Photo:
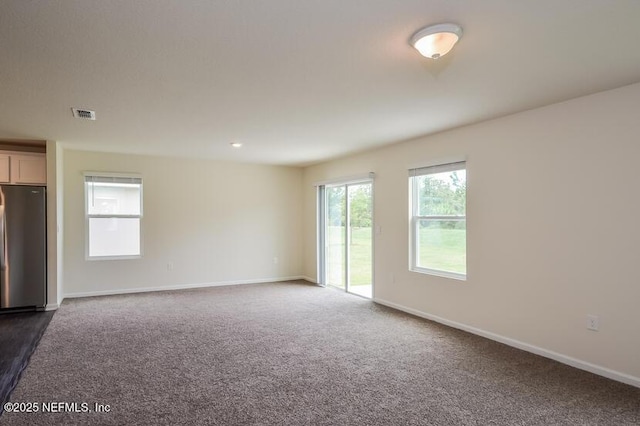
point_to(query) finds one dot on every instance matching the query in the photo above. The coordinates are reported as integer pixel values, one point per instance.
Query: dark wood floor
(19, 336)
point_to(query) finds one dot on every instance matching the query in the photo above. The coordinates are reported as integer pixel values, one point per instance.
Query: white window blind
(440, 168)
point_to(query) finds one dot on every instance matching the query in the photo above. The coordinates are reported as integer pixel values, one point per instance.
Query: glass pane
(360, 236)
(442, 245)
(113, 198)
(114, 237)
(442, 194)
(335, 235)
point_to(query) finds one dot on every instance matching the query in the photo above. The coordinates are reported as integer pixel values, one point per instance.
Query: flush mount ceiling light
(235, 144)
(436, 40)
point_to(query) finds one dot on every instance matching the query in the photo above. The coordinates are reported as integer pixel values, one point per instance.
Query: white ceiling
(297, 81)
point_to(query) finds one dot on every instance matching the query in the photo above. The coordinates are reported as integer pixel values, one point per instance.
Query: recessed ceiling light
(236, 144)
(436, 41)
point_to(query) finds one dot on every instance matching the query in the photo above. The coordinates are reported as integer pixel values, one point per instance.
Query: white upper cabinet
(23, 168)
(5, 175)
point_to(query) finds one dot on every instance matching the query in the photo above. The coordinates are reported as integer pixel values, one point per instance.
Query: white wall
(215, 222)
(553, 230)
(54, 224)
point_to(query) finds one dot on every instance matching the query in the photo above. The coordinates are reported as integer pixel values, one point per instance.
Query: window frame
(88, 216)
(415, 217)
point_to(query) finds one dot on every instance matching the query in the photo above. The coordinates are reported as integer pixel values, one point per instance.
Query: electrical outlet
(593, 322)
(170, 266)
(275, 260)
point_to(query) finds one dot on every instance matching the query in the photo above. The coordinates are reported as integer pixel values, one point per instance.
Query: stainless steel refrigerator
(23, 252)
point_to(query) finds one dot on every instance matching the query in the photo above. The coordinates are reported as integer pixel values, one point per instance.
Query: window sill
(137, 256)
(437, 273)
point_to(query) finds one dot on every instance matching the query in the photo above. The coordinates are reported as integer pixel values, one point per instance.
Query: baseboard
(574, 362)
(51, 307)
(111, 292)
(311, 280)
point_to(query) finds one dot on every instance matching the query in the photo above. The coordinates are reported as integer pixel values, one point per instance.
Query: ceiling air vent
(85, 114)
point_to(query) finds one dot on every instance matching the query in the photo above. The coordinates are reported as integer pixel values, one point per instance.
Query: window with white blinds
(113, 211)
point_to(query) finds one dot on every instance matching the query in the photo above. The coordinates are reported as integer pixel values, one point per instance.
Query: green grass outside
(441, 249)
(360, 252)
(361, 257)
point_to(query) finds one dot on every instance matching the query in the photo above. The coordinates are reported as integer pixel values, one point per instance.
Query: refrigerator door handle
(4, 279)
(3, 234)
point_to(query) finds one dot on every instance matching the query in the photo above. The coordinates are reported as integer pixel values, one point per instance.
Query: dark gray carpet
(295, 354)
(19, 336)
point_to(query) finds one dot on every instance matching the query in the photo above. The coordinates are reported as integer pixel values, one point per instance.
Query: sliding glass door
(346, 237)
(336, 237)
